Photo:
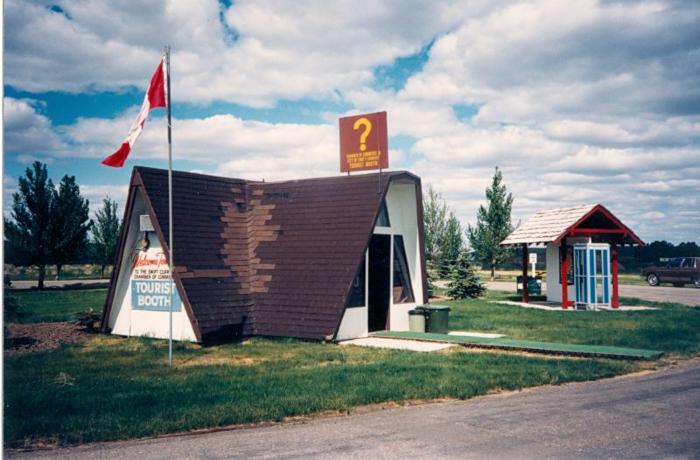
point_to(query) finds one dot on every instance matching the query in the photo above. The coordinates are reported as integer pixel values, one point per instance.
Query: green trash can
(534, 285)
(436, 318)
(416, 320)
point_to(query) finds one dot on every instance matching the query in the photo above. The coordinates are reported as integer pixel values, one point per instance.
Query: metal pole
(170, 207)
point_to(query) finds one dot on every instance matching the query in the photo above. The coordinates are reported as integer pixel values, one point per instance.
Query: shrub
(89, 319)
(464, 281)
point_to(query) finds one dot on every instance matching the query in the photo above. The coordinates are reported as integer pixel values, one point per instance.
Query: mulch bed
(28, 338)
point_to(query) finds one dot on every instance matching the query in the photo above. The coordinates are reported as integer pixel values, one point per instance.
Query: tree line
(444, 241)
(51, 226)
(451, 250)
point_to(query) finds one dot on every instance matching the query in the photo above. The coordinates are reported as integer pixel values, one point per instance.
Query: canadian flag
(155, 97)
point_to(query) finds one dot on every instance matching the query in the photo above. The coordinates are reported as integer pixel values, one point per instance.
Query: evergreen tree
(451, 245)
(493, 225)
(106, 234)
(70, 223)
(464, 281)
(28, 236)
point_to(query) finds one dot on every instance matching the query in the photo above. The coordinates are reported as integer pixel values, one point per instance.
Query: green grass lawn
(56, 305)
(674, 328)
(116, 388)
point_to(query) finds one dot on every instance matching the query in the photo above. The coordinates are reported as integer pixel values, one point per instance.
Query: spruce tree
(106, 233)
(70, 222)
(464, 281)
(493, 225)
(29, 236)
(451, 245)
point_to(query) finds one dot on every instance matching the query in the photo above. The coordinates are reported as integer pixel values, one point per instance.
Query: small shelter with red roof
(582, 245)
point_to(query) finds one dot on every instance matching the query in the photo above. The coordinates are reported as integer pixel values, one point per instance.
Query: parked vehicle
(679, 271)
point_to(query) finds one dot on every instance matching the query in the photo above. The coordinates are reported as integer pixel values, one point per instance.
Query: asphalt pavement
(650, 415)
(32, 284)
(684, 295)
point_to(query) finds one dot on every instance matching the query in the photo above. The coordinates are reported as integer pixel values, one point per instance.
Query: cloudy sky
(577, 102)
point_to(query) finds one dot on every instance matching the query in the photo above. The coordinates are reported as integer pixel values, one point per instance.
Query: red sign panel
(363, 142)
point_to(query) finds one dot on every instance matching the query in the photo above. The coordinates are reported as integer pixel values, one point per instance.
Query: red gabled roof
(553, 225)
(609, 225)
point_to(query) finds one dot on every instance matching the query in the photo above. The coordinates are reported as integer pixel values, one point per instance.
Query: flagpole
(170, 206)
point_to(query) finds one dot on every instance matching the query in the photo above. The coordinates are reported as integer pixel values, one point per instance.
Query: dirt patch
(207, 360)
(28, 338)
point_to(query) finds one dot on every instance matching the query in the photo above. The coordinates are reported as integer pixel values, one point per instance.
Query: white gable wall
(123, 318)
(402, 207)
(403, 216)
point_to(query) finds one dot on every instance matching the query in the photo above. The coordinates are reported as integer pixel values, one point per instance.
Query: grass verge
(115, 388)
(55, 305)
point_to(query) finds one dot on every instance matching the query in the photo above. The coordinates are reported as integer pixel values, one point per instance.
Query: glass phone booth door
(592, 275)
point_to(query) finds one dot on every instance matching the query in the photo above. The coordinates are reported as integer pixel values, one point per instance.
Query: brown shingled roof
(266, 258)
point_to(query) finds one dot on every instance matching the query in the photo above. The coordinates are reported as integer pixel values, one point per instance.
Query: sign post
(364, 143)
(533, 261)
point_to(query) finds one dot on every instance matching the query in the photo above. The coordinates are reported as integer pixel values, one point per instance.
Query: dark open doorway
(379, 282)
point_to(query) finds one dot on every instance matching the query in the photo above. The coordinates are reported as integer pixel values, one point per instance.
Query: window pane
(402, 278)
(383, 218)
(675, 262)
(357, 292)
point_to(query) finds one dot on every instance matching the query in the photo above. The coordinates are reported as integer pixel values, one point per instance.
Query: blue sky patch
(395, 75)
(465, 112)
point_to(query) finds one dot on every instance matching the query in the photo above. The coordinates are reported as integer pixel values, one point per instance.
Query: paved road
(686, 295)
(652, 415)
(29, 284)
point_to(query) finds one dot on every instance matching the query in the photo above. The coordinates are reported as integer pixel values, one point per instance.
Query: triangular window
(383, 219)
(357, 290)
(402, 278)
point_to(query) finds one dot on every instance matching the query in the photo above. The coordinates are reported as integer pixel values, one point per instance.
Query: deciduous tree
(443, 233)
(105, 233)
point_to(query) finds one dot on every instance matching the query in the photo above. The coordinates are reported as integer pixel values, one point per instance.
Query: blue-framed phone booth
(592, 275)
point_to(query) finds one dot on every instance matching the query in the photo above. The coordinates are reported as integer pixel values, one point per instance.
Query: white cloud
(282, 50)
(587, 102)
(26, 131)
(96, 193)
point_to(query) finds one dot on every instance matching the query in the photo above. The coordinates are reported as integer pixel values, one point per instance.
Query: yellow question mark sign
(368, 128)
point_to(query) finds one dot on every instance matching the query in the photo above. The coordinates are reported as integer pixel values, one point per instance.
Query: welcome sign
(151, 285)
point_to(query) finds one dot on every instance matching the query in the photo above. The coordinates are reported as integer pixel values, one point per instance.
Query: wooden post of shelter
(615, 295)
(525, 262)
(563, 276)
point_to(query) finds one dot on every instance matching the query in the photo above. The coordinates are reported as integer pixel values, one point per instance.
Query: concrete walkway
(396, 344)
(556, 306)
(684, 295)
(652, 415)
